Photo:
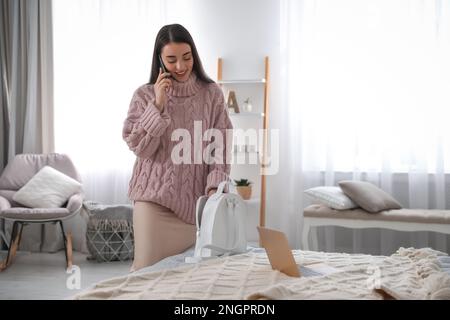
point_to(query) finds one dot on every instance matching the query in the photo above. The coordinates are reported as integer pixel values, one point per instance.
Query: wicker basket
(110, 240)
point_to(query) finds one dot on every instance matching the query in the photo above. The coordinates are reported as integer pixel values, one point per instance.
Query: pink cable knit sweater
(148, 132)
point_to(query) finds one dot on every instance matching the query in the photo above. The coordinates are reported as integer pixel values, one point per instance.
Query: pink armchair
(15, 175)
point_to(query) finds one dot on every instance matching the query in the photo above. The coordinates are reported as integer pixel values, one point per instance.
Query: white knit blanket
(407, 274)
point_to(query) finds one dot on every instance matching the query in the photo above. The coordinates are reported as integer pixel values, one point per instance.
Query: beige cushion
(402, 215)
(368, 196)
(30, 214)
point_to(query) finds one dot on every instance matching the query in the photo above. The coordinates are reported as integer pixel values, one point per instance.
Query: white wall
(241, 32)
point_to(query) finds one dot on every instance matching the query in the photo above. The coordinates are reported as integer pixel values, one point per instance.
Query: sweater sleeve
(218, 172)
(144, 125)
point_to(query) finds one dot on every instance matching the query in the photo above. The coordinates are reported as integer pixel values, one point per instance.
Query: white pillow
(49, 188)
(332, 197)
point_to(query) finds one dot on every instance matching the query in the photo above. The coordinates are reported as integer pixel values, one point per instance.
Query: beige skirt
(158, 233)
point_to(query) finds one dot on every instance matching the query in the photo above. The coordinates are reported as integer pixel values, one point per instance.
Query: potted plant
(244, 188)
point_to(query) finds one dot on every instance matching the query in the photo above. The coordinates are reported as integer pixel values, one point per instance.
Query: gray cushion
(368, 196)
(34, 213)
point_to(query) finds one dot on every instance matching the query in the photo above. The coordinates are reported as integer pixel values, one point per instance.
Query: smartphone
(163, 67)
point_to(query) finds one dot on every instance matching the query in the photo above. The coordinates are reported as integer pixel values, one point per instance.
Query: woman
(164, 191)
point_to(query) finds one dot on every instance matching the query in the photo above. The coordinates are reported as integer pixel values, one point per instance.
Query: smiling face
(178, 59)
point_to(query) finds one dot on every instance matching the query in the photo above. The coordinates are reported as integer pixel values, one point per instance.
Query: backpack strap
(231, 204)
(221, 187)
(199, 210)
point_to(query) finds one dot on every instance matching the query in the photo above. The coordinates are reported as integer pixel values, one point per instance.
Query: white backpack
(220, 221)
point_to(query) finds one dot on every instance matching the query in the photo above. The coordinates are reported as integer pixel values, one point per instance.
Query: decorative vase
(244, 191)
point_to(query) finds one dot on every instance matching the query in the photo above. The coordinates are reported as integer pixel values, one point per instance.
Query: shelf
(264, 116)
(249, 81)
(247, 114)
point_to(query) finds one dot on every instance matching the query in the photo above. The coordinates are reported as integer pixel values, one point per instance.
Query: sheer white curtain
(103, 51)
(366, 85)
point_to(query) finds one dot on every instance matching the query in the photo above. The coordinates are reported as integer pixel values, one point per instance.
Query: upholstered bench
(399, 219)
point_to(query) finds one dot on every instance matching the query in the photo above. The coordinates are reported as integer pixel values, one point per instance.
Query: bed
(407, 274)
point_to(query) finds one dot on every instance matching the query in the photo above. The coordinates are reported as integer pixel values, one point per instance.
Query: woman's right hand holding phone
(162, 85)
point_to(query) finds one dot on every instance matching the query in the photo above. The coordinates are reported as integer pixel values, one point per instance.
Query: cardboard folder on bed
(281, 258)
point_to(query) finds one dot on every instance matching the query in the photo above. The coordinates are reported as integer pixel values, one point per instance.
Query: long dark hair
(176, 33)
